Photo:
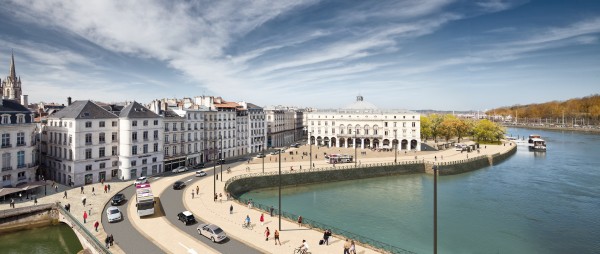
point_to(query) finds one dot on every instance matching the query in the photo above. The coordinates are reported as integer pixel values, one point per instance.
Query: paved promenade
(292, 234)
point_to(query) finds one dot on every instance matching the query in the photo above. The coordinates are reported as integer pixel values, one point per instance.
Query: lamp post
(310, 145)
(220, 154)
(355, 157)
(279, 189)
(214, 170)
(263, 159)
(435, 169)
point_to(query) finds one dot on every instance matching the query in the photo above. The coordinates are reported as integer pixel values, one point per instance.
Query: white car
(212, 232)
(180, 169)
(141, 180)
(113, 214)
(200, 173)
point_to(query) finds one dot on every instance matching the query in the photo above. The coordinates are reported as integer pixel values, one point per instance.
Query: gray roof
(12, 106)
(136, 110)
(253, 106)
(83, 110)
(171, 114)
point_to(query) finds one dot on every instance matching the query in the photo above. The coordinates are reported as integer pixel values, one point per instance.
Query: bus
(339, 158)
(144, 199)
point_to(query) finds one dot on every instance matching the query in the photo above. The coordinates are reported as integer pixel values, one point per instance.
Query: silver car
(113, 214)
(212, 232)
(180, 169)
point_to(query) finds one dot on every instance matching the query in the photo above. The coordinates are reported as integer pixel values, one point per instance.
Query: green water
(58, 239)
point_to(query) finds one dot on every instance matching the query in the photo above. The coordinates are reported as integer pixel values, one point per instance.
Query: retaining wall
(27, 218)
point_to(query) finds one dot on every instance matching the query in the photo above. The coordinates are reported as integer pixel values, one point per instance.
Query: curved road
(131, 241)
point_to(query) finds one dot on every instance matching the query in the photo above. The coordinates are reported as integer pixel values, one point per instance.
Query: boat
(536, 143)
(517, 140)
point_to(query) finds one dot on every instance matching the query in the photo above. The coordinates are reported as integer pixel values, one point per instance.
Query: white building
(140, 144)
(257, 128)
(284, 125)
(363, 125)
(19, 152)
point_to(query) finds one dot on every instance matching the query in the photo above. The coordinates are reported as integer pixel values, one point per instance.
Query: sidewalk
(94, 203)
(292, 234)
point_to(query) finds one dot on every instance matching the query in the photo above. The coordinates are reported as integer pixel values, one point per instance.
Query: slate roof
(253, 106)
(13, 106)
(83, 110)
(170, 114)
(136, 110)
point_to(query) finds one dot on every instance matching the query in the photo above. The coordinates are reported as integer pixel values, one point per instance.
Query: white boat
(536, 143)
(517, 141)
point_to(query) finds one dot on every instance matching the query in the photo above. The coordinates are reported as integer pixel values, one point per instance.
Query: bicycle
(247, 226)
(301, 251)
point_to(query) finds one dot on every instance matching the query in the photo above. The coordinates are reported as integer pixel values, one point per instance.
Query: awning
(7, 191)
(32, 185)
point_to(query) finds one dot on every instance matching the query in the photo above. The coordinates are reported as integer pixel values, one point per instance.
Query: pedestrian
(112, 239)
(96, 224)
(35, 200)
(277, 237)
(109, 187)
(65, 196)
(267, 233)
(56, 188)
(231, 209)
(352, 247)
(197, 189)
(262, 219)
(105, 188)
(215, 197)
(251, 204)
(81, 190)
(326, 236)
(221, 197)
(217, 176)
(84, 216)
(90, 211)
(435, 158)
(12, 203)
(69, 207)
(271, 211)
(107, 241)
(83, 201)
(300, 221)
(20, 196)
(347, 247)
(93, 192)
(192, 194)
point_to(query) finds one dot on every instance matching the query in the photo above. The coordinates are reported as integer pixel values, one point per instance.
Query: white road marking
(189, 250)
(189, 180)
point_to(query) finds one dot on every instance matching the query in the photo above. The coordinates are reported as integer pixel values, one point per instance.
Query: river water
(59, 239)
(531, 203)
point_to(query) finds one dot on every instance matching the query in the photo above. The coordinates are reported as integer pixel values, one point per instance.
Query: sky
(404, 54)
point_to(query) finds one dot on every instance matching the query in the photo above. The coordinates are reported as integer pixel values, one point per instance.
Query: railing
(6, 145)
(6, 169)
(347, 234)
(21, 144)
(76, 225)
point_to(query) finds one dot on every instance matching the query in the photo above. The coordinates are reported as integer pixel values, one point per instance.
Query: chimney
(157, 107)
(24, 101)
(68, 101)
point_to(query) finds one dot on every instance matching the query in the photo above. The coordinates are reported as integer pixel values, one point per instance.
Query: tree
(463, 128)
(436, 120)
(426, 131)
(447, 128)
(486, 130)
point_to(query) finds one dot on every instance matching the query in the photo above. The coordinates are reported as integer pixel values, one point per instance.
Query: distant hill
(586, 109)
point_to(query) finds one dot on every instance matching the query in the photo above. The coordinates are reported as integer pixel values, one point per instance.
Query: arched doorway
(395, 144)
(342, 142)
(413, 144)
(357, 142)
(312, 140)
(375, 143)
(333, 142)
(326, 141)
(404, 144)
(386, 143)
(367, 143)
(349, 142)
(319, 141)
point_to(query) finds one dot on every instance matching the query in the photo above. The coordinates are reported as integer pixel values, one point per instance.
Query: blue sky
(414, 54)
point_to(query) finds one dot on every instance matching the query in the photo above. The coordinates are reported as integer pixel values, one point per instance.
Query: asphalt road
(172, 202)
(128, 238)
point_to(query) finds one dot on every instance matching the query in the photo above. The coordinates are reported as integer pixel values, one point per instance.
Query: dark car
(198, 166)
(118, 199)
(178, 185)
(186, 217)
(221, 161)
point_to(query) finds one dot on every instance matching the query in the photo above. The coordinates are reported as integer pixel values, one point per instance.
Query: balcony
(146, 139)
(166, 129)
(6, 145)
(21, 144)
(88, 143)
(6, 169)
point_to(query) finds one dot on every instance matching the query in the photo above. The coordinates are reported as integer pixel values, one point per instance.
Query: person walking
(300, 221)
(231, 209)
(65, 196)
(352, 247)
(197, 189)
(262, 219)
(96, 224)
(12, 203)
(107, 241)
(35, 200)
(277, 237)
(93, 192)
(192, 194)
(271, 211)
(326, 236)
(83, 201)
(109, 187)
(81, 190)
(84, 216)
(347, 247)
(69, 207)
(105, 188)
(56, 188)
(112, 239)
(267, 233)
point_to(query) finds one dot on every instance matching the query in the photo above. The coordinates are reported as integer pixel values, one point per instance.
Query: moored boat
(536, 143)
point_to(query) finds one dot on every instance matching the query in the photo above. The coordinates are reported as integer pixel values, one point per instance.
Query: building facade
(282, 126)
(19, 148)
(257, 128)
(363, 125)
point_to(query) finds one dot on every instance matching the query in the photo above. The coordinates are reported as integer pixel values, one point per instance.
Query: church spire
(13, 74)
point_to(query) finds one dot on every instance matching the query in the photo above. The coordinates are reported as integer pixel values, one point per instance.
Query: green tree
(426, 131)
(463, 127)
(436, 121)
(486, 130)
(447, 127)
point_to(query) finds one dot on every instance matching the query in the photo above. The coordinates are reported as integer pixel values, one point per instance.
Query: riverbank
(594, 130)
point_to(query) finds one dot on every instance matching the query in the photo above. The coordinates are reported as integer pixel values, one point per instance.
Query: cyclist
(304, 247)
(247, 220)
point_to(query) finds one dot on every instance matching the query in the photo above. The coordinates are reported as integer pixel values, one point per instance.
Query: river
(59, 239)
(531, 203)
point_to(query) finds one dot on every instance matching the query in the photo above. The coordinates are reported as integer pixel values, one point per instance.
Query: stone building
(363, 125)
(284, 125)
(257, 128)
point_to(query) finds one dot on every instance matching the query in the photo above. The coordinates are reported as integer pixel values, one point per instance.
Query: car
(118, 199)
(275, 152)
(221, 161)
(212, 232)
(180, 169)
(113, 214)
(198, 166)
(186, 217)
(200, 173)
(260, 155)
(141, 180)
(295, 145)
(178, 185)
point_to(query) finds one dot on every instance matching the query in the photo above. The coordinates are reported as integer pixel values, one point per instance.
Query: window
(102, 165)
(166, 151)
(144, 161)
(133, 150)
(145, 148)
(21, 139)
(404, 124)
(6, 161)
(155, 135)
(156, 147)
(6, 119)
(88, 124)
(154, 159)
(115, 163)
(155, 122)
(114, 150)
(145, 136)
(414, 124)
(385, 124)
(114, 123)
(133, 163)
(101, 124)
(20, 159)
(88, 153)
(174, 150)
(101, 137)
(145, 123)
(88, 138)
(88, 167)
(134, 123)
(101, 152)
(166, 138)
(134, 136)
(20, 119)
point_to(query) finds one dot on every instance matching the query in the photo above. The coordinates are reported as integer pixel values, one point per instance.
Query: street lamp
(355, 157)
(220, 154)
(263, 159)
(279, 189)
(435, 172)
(310, 145)
(214, 170)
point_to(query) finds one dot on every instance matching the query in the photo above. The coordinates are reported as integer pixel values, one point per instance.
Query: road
(128, 238)
(173, 204)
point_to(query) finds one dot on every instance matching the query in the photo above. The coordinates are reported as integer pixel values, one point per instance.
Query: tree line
(578, 108)
(448, 126)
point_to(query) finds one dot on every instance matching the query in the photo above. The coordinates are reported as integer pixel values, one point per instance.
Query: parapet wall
(27, 218)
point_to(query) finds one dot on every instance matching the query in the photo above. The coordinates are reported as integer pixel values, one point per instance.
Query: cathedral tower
(11, 85)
